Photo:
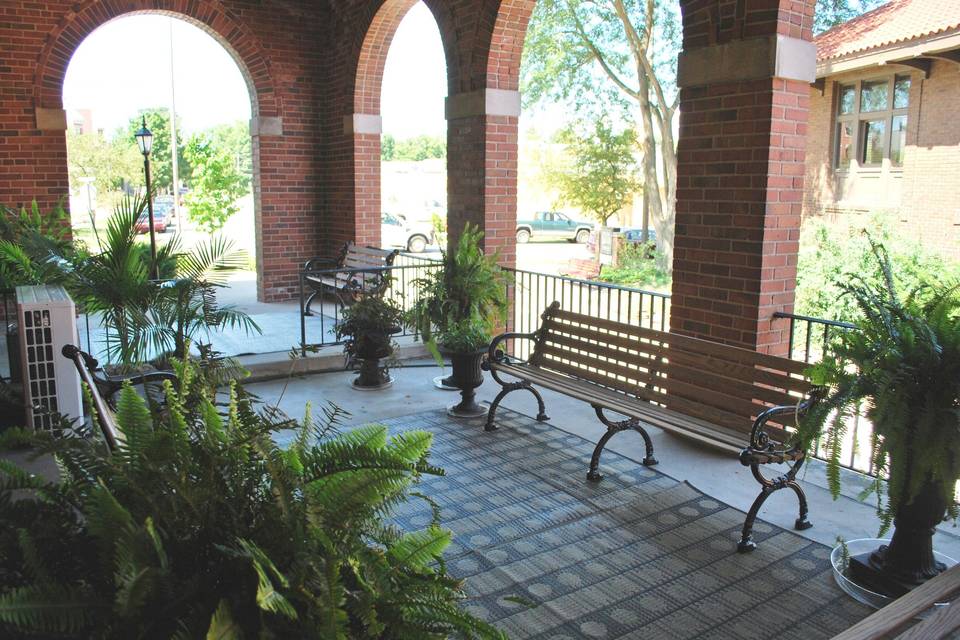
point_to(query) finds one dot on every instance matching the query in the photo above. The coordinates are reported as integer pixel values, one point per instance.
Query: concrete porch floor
(713, 472)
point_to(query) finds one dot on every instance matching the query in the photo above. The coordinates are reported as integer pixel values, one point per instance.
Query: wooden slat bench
(357, 271)
(738, 400)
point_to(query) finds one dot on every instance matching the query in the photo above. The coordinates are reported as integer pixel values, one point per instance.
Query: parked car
(161, 217)
(553, 225)
(636, 235)
(395, 231)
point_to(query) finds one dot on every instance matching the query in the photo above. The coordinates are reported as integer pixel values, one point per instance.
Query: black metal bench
(355, 272)
(103, 388)
(738, 400)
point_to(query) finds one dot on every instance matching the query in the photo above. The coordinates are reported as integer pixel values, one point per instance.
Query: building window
(871, 122)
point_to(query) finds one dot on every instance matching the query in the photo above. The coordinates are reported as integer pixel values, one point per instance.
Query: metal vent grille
(40, 368)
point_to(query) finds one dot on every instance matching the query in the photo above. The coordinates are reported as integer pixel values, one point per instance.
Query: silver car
(395, 231)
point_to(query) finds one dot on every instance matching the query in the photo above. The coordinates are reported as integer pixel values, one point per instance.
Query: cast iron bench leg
(614, 428)
(769, 487)
(509, 387)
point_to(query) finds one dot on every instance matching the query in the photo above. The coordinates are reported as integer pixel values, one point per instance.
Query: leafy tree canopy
(234, 140)
(602, 178)
(110, 163)
(423, 147)
(830, 13)
(161, 163)
(216, 181)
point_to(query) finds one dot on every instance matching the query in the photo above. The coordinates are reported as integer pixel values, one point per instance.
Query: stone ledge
(51, 119)
(362, 123)
(266, 126)
(752, 59)
(485, 102)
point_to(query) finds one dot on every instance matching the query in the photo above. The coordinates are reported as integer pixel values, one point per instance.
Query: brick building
(884, 133)
(315, 68)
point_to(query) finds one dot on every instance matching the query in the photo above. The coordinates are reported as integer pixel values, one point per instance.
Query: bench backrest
(724, 385)
(358, 257)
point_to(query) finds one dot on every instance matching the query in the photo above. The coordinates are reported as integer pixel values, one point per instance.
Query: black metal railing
(319, 328)
(531, 293)
(809, 337)
(810, 341)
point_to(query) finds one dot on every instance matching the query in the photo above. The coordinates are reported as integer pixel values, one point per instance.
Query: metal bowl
(862, 594)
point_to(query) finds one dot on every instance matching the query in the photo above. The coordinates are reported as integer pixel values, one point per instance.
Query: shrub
(830, 255)
(199, 525)
(637, 268)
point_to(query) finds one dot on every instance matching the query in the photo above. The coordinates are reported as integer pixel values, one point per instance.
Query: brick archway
(364, 124)
(234, 36)
(743, 75)
(483, 111)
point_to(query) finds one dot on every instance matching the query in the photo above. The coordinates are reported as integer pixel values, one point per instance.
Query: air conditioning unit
(47, 320)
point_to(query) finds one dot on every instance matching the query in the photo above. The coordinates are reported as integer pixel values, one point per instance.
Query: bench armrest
(496, 355)
(760, 442)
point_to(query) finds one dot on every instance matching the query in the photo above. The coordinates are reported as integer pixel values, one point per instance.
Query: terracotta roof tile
(896, 21)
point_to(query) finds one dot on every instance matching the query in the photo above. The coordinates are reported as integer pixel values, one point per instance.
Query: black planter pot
(467, 376)
(908, 560)
(371, 375)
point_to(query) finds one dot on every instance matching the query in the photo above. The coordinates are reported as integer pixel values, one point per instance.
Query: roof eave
(890, 54)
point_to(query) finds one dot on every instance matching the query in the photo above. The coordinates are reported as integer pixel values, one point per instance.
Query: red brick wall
(739, 185)
(313, 65)
(276, 47)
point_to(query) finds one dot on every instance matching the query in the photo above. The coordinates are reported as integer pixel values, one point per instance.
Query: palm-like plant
(116, 284)
(200, 525)
(903, 362)
(145, 318)
(186, 305)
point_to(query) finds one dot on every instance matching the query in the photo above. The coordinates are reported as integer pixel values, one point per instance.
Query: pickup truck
(553, 225)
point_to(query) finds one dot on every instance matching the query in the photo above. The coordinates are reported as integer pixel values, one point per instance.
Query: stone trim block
(485, 102)
(753, 59)
(266, 126)
(51, 119)
(362, 123)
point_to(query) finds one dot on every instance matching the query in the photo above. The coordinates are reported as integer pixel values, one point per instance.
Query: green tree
(617, 57)
(388, 148)
(830, 13)
(161, 162)
(234, 140)
(603, 177)
(216, 182)
(422, 147)
(109, 162)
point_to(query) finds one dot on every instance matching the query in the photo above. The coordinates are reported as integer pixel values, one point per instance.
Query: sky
(125, 66)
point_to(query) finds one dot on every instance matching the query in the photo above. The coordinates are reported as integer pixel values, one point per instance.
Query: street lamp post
(145, 142)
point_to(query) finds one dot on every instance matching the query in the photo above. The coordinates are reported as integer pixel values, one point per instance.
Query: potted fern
(200, 525)
(903, 362)
(368, 326)
(457, 307)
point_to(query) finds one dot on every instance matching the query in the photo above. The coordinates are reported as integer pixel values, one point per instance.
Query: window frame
(859, 118)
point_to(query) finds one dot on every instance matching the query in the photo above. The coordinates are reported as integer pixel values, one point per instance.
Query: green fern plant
(468, 290)
(903, 364)
(200, 525)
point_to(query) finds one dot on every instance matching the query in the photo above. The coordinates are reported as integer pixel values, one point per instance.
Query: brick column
(743, 106)
(482, 129)
(366, 130)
